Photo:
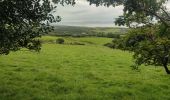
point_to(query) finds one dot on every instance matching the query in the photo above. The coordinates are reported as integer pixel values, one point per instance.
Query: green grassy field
(79, 72)
(97, 41)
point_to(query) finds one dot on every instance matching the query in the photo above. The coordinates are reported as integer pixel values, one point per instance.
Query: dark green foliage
(138, 11)
(110, 45)
(60, 41)
(117, 43)
(63, 2)
(144, 11)
(106, 2)
(111, 35)
(22, 21)
(100, 34)
(148, 48)
(149, 41)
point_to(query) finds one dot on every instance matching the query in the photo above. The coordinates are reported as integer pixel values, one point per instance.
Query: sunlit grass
(79, 72)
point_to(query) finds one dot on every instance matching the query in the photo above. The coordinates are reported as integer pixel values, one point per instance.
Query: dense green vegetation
(82, 68)
(79, 72)
(77, 31)
(21, 22)
(149, 40)
(148, 47)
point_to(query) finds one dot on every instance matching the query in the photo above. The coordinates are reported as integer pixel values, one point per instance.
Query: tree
(150, 35)
(138, 11)
(151, 42)
(60, 41)
(22, 21)
(148, 49)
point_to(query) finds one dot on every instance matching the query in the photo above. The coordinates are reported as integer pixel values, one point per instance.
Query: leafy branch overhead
(139, 11)
(22, 21)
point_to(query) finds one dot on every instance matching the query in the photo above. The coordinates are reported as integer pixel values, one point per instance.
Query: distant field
(79, 72)
(86, 40)
(86, 31)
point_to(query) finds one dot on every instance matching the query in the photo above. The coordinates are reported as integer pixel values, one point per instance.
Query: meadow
(79, 72)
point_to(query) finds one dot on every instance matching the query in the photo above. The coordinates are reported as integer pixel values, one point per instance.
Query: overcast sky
(82, 14)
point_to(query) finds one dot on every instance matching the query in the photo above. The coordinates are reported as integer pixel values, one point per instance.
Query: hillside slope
(79, 72)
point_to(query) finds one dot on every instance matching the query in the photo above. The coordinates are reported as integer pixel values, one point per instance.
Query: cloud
(168, 5)
(82, 14)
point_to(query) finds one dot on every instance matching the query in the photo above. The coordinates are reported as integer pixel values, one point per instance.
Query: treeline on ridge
(75, 31)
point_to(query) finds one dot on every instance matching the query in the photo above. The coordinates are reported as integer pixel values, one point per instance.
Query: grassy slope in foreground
(72, 72)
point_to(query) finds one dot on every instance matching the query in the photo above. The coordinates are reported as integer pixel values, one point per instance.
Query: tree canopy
(149, 38)
(139, 11)
(22, 21)
(149, 48)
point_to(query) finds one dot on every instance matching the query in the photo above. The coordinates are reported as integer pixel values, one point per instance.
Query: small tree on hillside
(148, 49)
(60, 41)
(151, 44)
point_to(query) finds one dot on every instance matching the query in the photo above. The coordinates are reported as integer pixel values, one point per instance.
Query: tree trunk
(166, 69)
(165, 61)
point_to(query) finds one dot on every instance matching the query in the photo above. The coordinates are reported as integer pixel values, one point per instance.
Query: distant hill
(87, 31)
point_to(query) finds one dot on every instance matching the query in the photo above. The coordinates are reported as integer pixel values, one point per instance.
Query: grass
(76, 72)
(85, 40)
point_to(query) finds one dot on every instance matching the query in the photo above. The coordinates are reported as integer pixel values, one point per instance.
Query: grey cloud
(82, 14)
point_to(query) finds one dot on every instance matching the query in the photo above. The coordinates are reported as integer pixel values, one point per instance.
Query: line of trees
(88, 34)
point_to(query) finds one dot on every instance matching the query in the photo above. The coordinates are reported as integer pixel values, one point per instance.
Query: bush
(112, 35)
(60, 41)
(117, 44)
(100, 34)
(110, 45)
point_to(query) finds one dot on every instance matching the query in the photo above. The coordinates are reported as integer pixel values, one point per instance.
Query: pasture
(79, 72)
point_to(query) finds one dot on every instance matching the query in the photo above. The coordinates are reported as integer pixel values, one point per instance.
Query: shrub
(112, 35)
(110, 45)
(60, 41)
(117, 44)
